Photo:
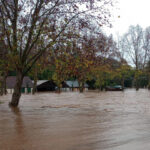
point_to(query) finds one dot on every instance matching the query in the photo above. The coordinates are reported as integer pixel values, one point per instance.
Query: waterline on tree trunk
(17, 90)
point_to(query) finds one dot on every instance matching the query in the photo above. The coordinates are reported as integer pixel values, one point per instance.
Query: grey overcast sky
(131, 12)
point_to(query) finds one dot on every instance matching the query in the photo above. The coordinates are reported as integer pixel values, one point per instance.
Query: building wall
(85, 89)
(24, 90)
(65, 89)
(74, 89)
(10, 91)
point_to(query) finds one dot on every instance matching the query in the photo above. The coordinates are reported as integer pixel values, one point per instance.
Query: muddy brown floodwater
(73, 121)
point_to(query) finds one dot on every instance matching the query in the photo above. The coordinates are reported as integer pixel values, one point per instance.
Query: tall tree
(135, 48)
(39, 23)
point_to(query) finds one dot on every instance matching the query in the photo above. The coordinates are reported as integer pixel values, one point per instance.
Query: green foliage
(47, 74)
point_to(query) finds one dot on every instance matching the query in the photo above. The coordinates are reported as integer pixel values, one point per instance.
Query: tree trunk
(81, 87)
(123, 83)
(4, 85)
(1, 89)
(35, 82)
(58, 90)
(34, 87)
(100, 88)
(17, 90)
(1, 85)
(149, 81)
(136, 78)
(137, 85)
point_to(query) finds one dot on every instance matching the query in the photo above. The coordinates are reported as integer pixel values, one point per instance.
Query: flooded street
(74, 121)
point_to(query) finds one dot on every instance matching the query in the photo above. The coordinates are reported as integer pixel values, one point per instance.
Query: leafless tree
(135, 46)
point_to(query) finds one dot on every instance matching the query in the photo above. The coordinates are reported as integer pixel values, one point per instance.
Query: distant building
(45, 85)
(27, 84)
(72, 86)
(49, 85)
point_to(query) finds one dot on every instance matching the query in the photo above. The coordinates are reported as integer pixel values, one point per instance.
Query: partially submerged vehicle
(114, 88)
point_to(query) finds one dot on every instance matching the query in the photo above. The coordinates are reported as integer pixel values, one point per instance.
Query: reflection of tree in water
(20, 136)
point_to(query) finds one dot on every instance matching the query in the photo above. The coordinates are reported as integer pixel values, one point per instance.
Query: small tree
(123, 72)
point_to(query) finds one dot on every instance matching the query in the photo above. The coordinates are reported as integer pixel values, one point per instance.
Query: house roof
(75, 84)
(11, 81)
(39, 82)
(46, 85)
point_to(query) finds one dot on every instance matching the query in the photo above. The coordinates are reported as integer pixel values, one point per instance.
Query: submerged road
(74, 121)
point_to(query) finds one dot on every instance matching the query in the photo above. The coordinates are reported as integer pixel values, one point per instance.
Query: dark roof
(46, 85)
(11, 81)
(65, 85)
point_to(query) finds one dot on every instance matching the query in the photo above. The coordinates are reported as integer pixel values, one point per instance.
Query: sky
(130, 12)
